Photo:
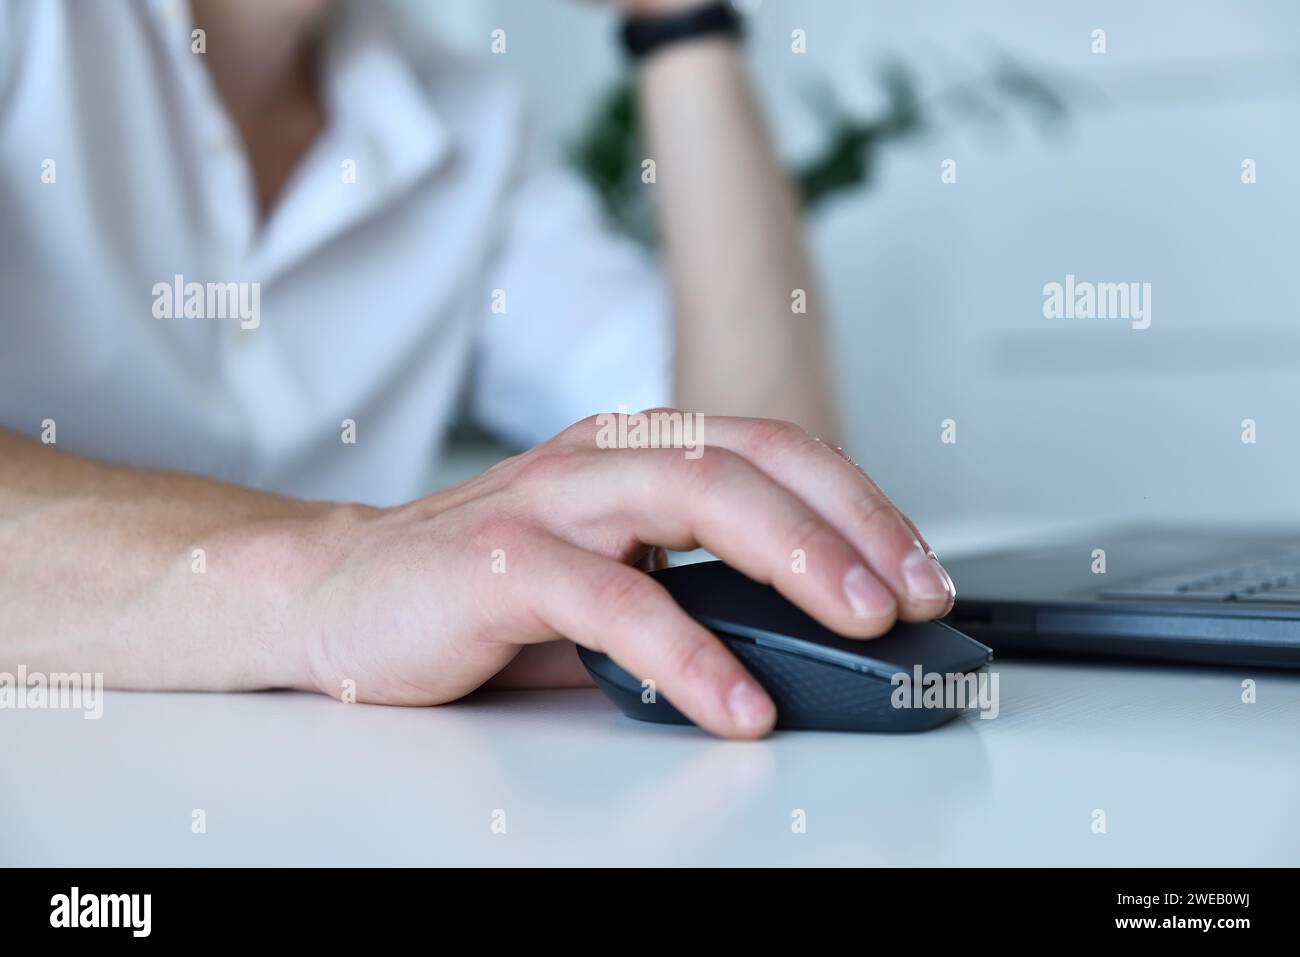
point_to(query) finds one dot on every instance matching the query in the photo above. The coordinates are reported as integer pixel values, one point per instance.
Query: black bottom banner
(306, 906)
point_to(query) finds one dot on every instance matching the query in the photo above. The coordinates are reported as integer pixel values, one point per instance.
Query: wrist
(651, 28)
(283, 571)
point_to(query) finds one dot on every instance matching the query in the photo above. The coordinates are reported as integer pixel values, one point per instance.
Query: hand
(422, 603)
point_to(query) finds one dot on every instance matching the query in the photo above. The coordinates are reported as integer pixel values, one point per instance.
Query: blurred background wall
(935, 290)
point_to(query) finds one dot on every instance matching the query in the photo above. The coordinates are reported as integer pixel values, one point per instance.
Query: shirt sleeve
(575, 318)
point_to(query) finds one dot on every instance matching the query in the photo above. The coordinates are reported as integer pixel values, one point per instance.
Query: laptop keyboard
(1275, 582)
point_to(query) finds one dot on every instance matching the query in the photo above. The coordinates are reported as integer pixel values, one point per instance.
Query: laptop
(1163, 594)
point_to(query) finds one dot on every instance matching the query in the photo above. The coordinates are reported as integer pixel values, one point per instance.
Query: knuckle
(776, 437)
(809, 532)
(706, 474)
(691, 661)
(623, 594)
(871, 513)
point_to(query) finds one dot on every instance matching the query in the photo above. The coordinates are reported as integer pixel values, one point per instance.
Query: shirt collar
(381, 122)
(379, 116)
(373, 95)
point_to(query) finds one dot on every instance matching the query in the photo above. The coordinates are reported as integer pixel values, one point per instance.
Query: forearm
(733, 243)
(158, 580)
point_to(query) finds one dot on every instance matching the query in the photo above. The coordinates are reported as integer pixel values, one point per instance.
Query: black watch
(644, 35)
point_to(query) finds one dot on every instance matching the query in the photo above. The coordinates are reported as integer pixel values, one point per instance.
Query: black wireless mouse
(818, 680)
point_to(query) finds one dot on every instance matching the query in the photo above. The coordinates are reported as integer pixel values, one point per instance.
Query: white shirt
(120, 171)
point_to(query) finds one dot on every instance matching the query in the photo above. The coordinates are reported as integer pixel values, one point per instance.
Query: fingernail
(925, 577)
(750, 707)
(866, 596)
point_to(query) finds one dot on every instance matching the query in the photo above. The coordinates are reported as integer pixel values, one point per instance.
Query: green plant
(609, 154)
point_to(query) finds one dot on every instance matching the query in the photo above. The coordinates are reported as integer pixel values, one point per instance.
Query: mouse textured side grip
(818, 680)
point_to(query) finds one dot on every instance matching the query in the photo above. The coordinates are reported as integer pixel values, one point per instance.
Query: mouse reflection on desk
(818, 680)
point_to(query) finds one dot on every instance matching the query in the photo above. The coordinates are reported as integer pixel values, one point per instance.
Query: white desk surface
(1185, 772)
